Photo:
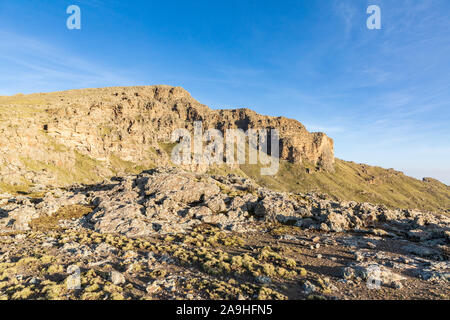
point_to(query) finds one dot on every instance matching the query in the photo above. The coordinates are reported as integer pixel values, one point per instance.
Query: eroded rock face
(113, 125)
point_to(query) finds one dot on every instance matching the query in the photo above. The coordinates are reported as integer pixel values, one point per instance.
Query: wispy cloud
(30, 59)
(346, 11)
(329, 130)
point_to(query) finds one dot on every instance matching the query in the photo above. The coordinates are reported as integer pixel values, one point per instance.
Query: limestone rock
(117, 278)
(86, 135)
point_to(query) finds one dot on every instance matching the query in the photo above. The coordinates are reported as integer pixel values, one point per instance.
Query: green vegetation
(21, 188)
(224, 170)
(22, 99)
(105, 131)
(21, 106)
(350, 181)
(128, 167)
(56, 146)
(46, 223)
(84, 170)
(357, 182)
(213, 251)
(223, 267)
(85, 167)
(167, 147)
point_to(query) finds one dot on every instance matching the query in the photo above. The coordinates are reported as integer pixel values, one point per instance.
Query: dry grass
(167, 147)
(357, 182)
(122, 166)
(46, 223)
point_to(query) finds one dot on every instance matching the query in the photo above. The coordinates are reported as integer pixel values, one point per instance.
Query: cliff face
(296, 143)
(80, 135)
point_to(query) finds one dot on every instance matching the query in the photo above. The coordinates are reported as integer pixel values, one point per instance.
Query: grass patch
(224, 170)
(167, 147)
(85, 169)
(127, 167)
(56, 146)
(105, 131)
(357, 182)
(46, 223)
(22, 188)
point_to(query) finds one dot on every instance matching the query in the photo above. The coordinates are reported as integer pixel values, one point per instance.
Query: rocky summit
(91, 207)
(83, 135)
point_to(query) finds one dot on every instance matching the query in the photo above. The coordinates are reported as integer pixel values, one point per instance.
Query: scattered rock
(117, 278)
(309, 288)
(263, 279)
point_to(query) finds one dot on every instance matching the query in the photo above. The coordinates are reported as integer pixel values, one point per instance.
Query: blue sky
(383, 95)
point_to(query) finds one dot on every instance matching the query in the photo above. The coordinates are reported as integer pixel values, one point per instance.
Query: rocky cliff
(169, 233)
(85, 135)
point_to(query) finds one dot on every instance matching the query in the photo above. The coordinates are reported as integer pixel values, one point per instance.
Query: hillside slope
(359, 182)
(84, 136)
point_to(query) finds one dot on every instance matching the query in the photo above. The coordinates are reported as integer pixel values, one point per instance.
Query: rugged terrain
(172, 234)
(84, 136)
(88, 193)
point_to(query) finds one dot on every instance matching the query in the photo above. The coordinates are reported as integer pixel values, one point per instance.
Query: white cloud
(33, 64)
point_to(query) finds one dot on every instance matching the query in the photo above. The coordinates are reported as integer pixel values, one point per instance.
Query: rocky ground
(171, 234)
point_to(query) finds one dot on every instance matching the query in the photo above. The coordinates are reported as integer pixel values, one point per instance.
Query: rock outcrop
(171, 200)
(189, 225)
(172, 233)
(73, 136)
